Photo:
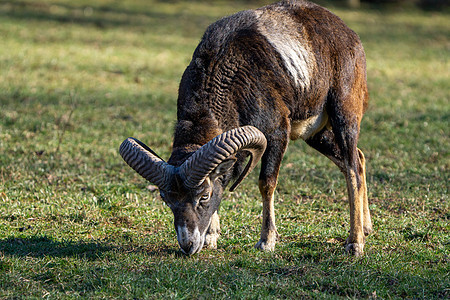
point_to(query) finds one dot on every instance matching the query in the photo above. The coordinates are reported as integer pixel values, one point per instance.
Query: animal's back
(286, 57)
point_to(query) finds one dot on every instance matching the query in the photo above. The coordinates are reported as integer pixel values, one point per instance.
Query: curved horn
(209, 156)
(144, 161)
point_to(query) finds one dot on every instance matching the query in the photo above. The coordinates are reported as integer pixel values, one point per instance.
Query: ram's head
(193, 190)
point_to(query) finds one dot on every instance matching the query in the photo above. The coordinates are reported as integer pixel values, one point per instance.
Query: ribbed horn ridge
(209, 156)
(145, 162)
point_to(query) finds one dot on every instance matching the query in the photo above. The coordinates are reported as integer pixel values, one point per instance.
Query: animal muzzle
(190, 241)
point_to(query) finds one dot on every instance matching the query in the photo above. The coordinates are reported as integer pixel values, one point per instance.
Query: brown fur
(245, 72)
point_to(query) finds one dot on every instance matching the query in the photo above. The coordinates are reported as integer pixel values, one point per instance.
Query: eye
(204, 198)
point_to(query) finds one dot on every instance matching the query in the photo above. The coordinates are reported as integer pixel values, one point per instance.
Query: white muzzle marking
(190, 242)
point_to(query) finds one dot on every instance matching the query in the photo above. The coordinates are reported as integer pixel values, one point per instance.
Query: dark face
(193, 209)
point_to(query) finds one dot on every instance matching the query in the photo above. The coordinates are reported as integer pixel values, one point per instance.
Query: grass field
(77, 77)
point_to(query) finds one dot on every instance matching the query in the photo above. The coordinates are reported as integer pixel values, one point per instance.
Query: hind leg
(367, 220)
(338, 143)
(357, 191)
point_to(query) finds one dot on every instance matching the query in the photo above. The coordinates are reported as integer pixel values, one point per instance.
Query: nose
(190, 242)
(187, 248)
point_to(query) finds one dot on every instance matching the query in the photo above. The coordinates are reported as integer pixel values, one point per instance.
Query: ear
(222, 168)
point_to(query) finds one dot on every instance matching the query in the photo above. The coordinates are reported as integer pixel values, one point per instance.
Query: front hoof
(355, 249)
(265, 245)
(267, 241)
(211, 240)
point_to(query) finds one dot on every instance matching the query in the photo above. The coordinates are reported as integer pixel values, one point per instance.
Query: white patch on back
(282, 32)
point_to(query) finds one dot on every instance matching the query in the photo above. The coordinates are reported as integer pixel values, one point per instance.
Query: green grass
(77, 77)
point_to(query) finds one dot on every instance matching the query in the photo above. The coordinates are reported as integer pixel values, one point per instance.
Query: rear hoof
(367, 230)
(355, 249)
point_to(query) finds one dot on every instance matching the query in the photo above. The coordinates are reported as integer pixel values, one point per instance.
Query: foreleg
(270, 167)
(213, 232)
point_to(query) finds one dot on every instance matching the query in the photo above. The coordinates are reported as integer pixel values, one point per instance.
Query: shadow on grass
(39, 246)
(165, 252)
